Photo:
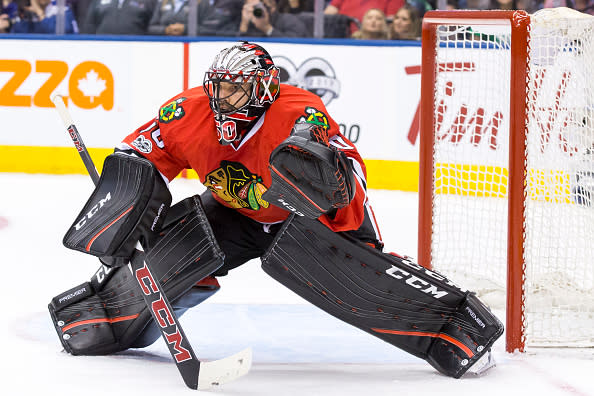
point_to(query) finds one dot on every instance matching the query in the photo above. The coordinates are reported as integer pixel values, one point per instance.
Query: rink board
(112, 87)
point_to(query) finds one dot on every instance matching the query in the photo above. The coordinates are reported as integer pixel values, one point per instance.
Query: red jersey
(184, 136)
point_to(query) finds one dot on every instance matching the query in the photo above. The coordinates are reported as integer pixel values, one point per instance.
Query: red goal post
(506, 136)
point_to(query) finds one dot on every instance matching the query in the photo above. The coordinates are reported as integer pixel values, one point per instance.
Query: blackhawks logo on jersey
(314, 116)
(237, 186)
(172, 111)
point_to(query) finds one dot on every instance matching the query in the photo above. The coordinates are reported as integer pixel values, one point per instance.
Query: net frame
(519, 25)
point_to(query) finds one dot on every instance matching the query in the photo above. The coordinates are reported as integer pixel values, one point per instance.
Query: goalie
(284, 186)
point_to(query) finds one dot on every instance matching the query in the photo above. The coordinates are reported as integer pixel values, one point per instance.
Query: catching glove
(309, 177)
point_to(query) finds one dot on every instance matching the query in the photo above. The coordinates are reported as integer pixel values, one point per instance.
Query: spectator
(219, 17)
(9, 8)
(261, 19)
(8, 12)
(422, 6)
(477, 4)
(119, 16)
(586, 6)
(40, 17)
(557, 3)
(170, 18)
(373, 26)
(357, 8)
(215, 18)
(5, 23)
(406, 24)
(295, 6)
(80, 9)
(530, 6)
(452, 5)
(503, 5)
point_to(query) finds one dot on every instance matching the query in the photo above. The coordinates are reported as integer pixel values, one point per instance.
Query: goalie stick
(195, 373)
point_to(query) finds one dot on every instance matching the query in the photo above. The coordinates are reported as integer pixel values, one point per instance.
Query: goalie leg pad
(128, 204)
(109, 314)
(392, 298)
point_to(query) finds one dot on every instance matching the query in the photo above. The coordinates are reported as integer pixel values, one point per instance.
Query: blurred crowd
(359, 19)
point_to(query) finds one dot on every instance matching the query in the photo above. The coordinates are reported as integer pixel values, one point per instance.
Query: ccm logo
(162, 313)
(79, 224)
(102, 273)
(416, 282)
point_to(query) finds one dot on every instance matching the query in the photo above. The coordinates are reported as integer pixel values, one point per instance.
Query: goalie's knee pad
(108, 314)
(390, 297)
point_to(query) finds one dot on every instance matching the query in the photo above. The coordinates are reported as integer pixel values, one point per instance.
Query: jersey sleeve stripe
(150, 128)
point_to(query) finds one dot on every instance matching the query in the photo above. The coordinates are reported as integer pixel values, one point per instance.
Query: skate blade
(484, 364)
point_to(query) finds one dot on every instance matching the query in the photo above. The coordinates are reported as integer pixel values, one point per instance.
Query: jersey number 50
(227, 130)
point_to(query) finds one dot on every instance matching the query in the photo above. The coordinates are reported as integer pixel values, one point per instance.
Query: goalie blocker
(390, 297)
(128, 205)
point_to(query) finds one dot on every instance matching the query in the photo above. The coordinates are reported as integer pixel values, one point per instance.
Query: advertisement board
(112, 87)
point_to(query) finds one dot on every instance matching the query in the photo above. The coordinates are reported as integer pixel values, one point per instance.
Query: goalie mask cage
(507, 165)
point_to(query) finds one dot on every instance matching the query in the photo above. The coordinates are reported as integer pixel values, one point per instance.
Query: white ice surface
(298, 349)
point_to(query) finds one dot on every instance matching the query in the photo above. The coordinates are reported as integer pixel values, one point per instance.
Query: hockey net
(507, 166)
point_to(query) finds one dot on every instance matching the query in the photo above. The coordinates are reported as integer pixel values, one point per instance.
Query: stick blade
(225, 370)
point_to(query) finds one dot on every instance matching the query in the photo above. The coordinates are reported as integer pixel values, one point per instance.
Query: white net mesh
(470, 157)
(559, 249)
(471, 149)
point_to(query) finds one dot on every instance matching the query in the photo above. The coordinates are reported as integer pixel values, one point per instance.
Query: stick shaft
(76, 139)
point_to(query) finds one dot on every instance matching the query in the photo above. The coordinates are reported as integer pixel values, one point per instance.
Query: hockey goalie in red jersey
(284, 185)
(230, 149)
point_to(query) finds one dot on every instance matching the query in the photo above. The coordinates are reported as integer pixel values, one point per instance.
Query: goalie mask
(241, 84)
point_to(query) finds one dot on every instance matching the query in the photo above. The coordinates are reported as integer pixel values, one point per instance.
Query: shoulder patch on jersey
(314, 116)
(143, 144)
(172, 111)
